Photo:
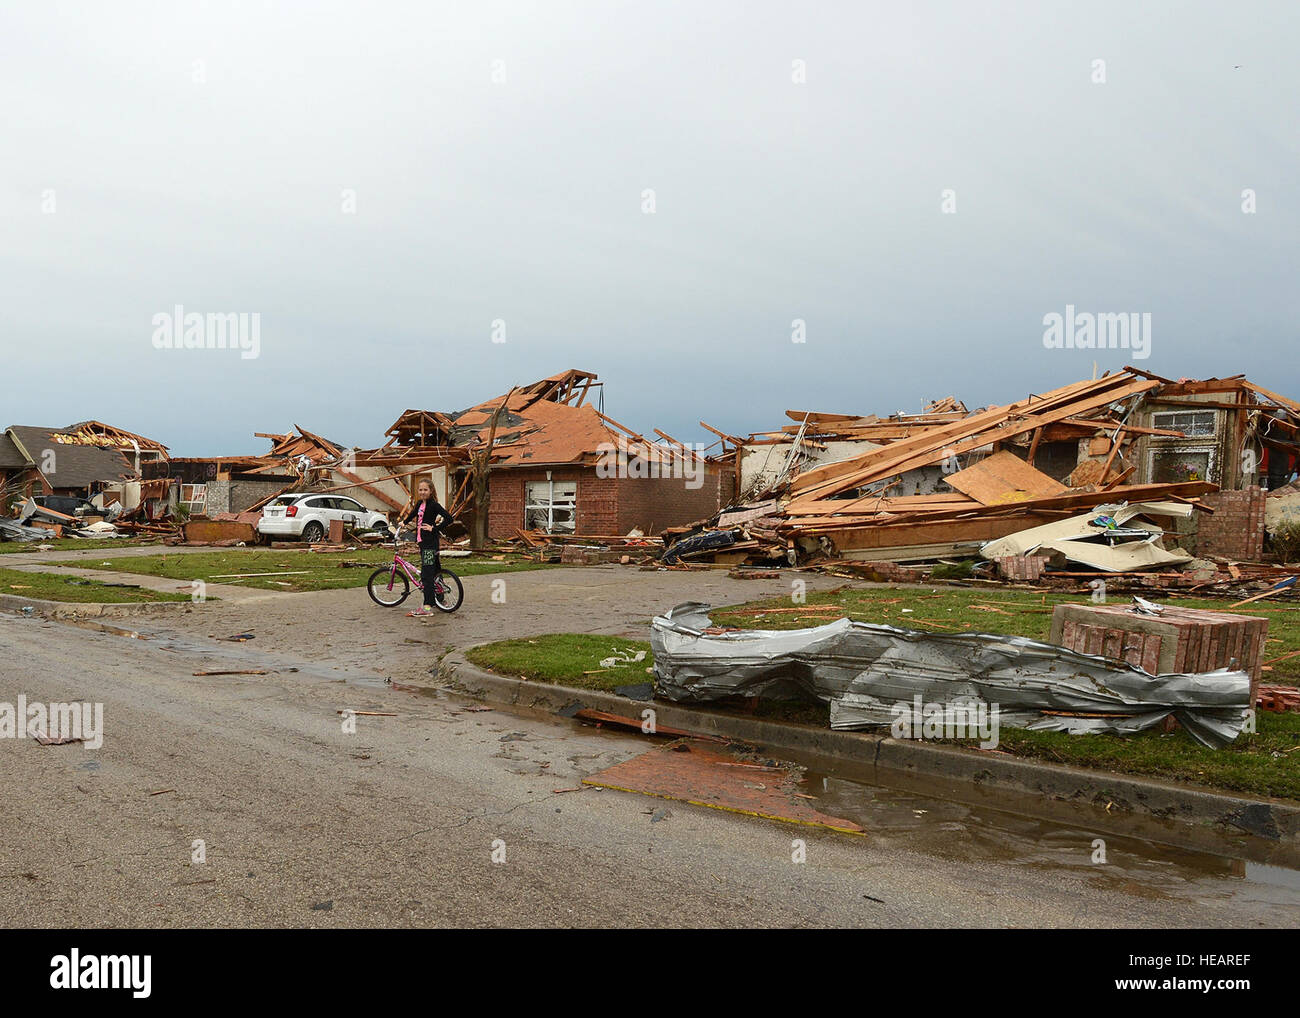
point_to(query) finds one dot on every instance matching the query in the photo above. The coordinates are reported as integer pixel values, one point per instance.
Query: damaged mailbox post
(872, 675)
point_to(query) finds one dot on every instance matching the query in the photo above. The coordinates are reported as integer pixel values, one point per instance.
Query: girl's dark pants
(430, 566)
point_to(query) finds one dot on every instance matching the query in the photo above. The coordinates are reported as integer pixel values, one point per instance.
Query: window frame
(555, 498)
(1164, 419)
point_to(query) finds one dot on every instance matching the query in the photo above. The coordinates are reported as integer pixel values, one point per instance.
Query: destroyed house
(557, 463)
(216, 485)
(81, 460)
(943, 482)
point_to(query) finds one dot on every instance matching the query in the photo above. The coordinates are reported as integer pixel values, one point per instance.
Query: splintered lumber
(937, 444)
(600, 717)
(823, 509)
(1277, 589)
(1116, 441)
(1118, 479)
(968, 445)
(830, 477)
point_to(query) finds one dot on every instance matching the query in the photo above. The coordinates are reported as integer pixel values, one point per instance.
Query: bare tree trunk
(482, 503)
(481, 468)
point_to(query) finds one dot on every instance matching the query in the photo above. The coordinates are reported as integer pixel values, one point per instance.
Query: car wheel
(313, 532)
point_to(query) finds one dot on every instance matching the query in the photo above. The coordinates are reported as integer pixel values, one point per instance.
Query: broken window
(1171, 466)
(551, 506)
(194, 498)
(1192, 423)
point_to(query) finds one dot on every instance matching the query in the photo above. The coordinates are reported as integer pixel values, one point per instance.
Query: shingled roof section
(75, 466)
(535, 431)
(10, 457)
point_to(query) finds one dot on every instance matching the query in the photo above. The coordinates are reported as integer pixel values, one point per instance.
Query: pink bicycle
(391, 585)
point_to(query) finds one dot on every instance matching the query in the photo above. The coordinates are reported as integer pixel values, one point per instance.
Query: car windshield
(283, 500)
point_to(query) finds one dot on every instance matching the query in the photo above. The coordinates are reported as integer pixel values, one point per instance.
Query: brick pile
(1022, 567)
(1176, 640)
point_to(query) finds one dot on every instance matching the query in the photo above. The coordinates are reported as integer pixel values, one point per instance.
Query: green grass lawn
(72, 544)
(990, 610)
(295, 571)
(1264, 763)
(568, 659)
(53, 587)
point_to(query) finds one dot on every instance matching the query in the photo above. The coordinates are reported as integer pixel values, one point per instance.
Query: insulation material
(1126, 543)
(1282, 507)
(870, 675)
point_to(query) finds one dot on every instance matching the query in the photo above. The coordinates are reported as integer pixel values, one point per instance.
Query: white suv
(308, 516)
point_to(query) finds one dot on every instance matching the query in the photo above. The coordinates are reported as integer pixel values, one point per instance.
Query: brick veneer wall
(1236, 530)
(610, 505)
(655, 503)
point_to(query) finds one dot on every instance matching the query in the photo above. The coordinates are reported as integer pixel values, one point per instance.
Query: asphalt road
(303, 824)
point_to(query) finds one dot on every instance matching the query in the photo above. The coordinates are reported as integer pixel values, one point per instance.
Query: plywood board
(723, 779)
(1002, 479)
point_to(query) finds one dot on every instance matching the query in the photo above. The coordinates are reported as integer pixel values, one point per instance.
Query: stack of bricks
(1236, 530)
(577, 555)
(890, 572)
(1022, 567)
(1176, 640)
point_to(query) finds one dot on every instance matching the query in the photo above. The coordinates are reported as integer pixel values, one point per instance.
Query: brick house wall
(1236, 530)
(655, 503)
(609, 505)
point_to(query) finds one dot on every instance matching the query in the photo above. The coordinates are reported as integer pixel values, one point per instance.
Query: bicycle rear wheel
(388, 587)
(447, 591)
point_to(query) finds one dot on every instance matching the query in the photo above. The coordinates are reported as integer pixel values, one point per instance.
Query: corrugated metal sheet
(870, 675)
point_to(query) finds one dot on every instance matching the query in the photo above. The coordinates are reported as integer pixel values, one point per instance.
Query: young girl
(430, 518)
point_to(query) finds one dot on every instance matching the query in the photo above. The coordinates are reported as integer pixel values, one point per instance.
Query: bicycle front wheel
(388, 586)
(447, 591)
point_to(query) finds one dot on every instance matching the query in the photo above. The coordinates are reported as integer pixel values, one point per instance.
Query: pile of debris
(1087, 475)
(590, 549)
(36, 522)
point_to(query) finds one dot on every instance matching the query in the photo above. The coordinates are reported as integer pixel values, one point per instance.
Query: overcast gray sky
(198, 154)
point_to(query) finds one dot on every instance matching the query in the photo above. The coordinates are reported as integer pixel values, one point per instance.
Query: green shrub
(954, 571)
(1286, 541)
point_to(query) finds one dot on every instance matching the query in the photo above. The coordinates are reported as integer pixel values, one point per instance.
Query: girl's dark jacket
(434, 515)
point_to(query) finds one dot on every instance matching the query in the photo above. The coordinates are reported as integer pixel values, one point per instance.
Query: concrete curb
(1031, 783)
(91, 609)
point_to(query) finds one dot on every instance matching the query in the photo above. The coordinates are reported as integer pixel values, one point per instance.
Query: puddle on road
(1144, 857)
(964, 832)
(101, 627)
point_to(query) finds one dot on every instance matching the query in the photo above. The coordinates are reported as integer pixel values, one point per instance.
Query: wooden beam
(929, 450)
(1115, 442)
(933, 445)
